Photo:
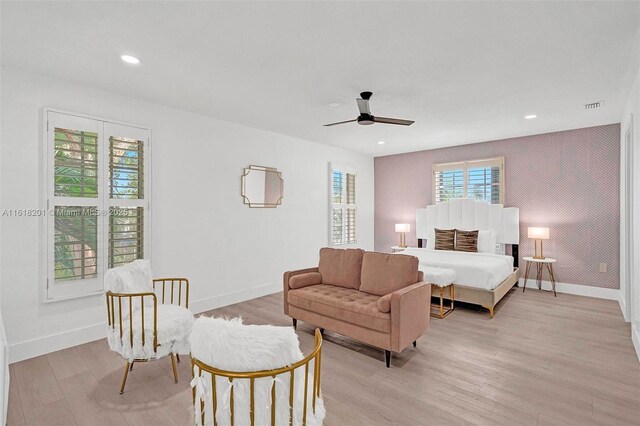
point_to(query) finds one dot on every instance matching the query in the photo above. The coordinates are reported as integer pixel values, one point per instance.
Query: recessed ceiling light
(380, 142)
(334, 104)
(130, 59)
(530, 116)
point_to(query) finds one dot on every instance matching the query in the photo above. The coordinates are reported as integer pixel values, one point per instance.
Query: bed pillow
(487, 241)
(466, 240)
(445, 239)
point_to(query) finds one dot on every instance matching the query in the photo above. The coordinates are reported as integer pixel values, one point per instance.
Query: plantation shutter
(75, 163)
(95, 195)
(126, 188)
(74, 239)
(343, 206)
(477, 179)
(449, 183)
(75, 243)
(126, 168)
(126, 235)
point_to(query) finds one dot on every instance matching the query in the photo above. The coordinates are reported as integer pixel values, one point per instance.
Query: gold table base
(539, 269)
(443, 310)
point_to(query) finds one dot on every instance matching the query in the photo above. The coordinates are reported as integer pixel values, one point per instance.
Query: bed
(481, 278)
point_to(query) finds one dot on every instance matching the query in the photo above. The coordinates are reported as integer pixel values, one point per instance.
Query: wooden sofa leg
(295, 323)
(321, 330)
(415, 343)
(387, 358)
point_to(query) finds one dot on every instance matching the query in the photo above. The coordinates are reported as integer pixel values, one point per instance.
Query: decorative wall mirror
(262, 187)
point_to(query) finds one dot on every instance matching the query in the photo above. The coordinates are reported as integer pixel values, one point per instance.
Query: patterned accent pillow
(467, 240)
(445, 239)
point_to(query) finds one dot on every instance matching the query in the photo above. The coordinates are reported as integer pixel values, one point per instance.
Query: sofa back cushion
(341, 267)
(384, 273)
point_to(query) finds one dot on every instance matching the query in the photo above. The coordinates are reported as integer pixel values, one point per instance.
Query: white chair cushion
(174, 325)
(233, 346)
(441, 277)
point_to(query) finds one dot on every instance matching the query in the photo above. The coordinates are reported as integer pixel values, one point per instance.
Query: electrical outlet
(603, 267)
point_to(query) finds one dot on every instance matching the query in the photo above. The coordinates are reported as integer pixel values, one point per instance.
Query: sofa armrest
(410, 315)
(285, 284)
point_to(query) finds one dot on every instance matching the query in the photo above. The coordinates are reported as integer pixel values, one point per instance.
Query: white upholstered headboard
(467, 213)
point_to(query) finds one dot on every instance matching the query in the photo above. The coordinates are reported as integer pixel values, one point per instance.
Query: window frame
(345, 207)
(465, 166)
(50, 119)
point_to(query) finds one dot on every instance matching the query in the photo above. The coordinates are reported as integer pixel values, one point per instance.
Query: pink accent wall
(568, 181)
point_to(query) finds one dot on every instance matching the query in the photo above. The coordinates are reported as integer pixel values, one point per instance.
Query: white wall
(200, 227)
(630, 285)
(4, 352)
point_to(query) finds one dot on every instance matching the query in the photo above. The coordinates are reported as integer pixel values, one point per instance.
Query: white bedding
(481, 270)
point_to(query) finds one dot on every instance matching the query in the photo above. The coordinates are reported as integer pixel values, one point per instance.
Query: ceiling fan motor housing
(365, 119)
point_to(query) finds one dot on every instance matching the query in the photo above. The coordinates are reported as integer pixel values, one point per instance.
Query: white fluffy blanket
(232, 346)
(174, 327)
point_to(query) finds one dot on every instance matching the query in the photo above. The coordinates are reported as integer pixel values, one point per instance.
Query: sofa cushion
(341, 267)
(304, 280)
(342, 304)
(385, 273)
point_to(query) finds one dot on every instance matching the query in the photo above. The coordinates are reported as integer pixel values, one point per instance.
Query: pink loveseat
(376, 298)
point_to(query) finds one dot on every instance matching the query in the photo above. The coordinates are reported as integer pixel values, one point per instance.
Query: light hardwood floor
(543, 360)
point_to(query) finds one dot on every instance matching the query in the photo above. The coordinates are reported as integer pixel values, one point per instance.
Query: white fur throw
(232, 346)
(441, 277)
(174, 327)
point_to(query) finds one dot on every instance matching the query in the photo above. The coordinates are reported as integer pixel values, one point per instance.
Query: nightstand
(541, 264)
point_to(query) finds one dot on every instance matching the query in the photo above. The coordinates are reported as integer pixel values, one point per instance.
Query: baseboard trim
(20, 351)
(26, 349)
(579, 290)
(204, 305)
(623, 306)
(635, 337)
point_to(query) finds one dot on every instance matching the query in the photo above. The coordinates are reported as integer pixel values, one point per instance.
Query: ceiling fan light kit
(366, 118)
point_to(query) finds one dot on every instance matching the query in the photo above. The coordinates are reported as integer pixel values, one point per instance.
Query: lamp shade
(403, 227)
(538, 233)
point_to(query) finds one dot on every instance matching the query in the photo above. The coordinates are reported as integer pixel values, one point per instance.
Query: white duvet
(481, 270)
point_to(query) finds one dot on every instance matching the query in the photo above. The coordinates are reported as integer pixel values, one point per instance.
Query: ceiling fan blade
(363, 106)
(340, 122)
(398, 121)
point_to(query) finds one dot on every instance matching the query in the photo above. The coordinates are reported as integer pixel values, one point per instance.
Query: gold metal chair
(201, 397)
(121, 308)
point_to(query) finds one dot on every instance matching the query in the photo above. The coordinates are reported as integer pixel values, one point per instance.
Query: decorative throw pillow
(445, 239)
(467, 240)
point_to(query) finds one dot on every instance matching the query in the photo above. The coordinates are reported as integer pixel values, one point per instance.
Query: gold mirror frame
(264, 169)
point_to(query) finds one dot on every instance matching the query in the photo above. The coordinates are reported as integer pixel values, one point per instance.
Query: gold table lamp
(402, 228)
(537, 233)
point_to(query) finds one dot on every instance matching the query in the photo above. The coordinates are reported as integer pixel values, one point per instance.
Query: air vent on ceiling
(594, 105)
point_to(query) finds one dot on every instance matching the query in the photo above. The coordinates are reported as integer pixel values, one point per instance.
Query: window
(97, 214)
(478, 179)
(342, 227)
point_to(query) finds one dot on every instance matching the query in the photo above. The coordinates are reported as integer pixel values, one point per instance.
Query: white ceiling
(465, 72)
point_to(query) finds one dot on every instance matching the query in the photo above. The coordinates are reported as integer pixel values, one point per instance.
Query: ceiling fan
(365, 118)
